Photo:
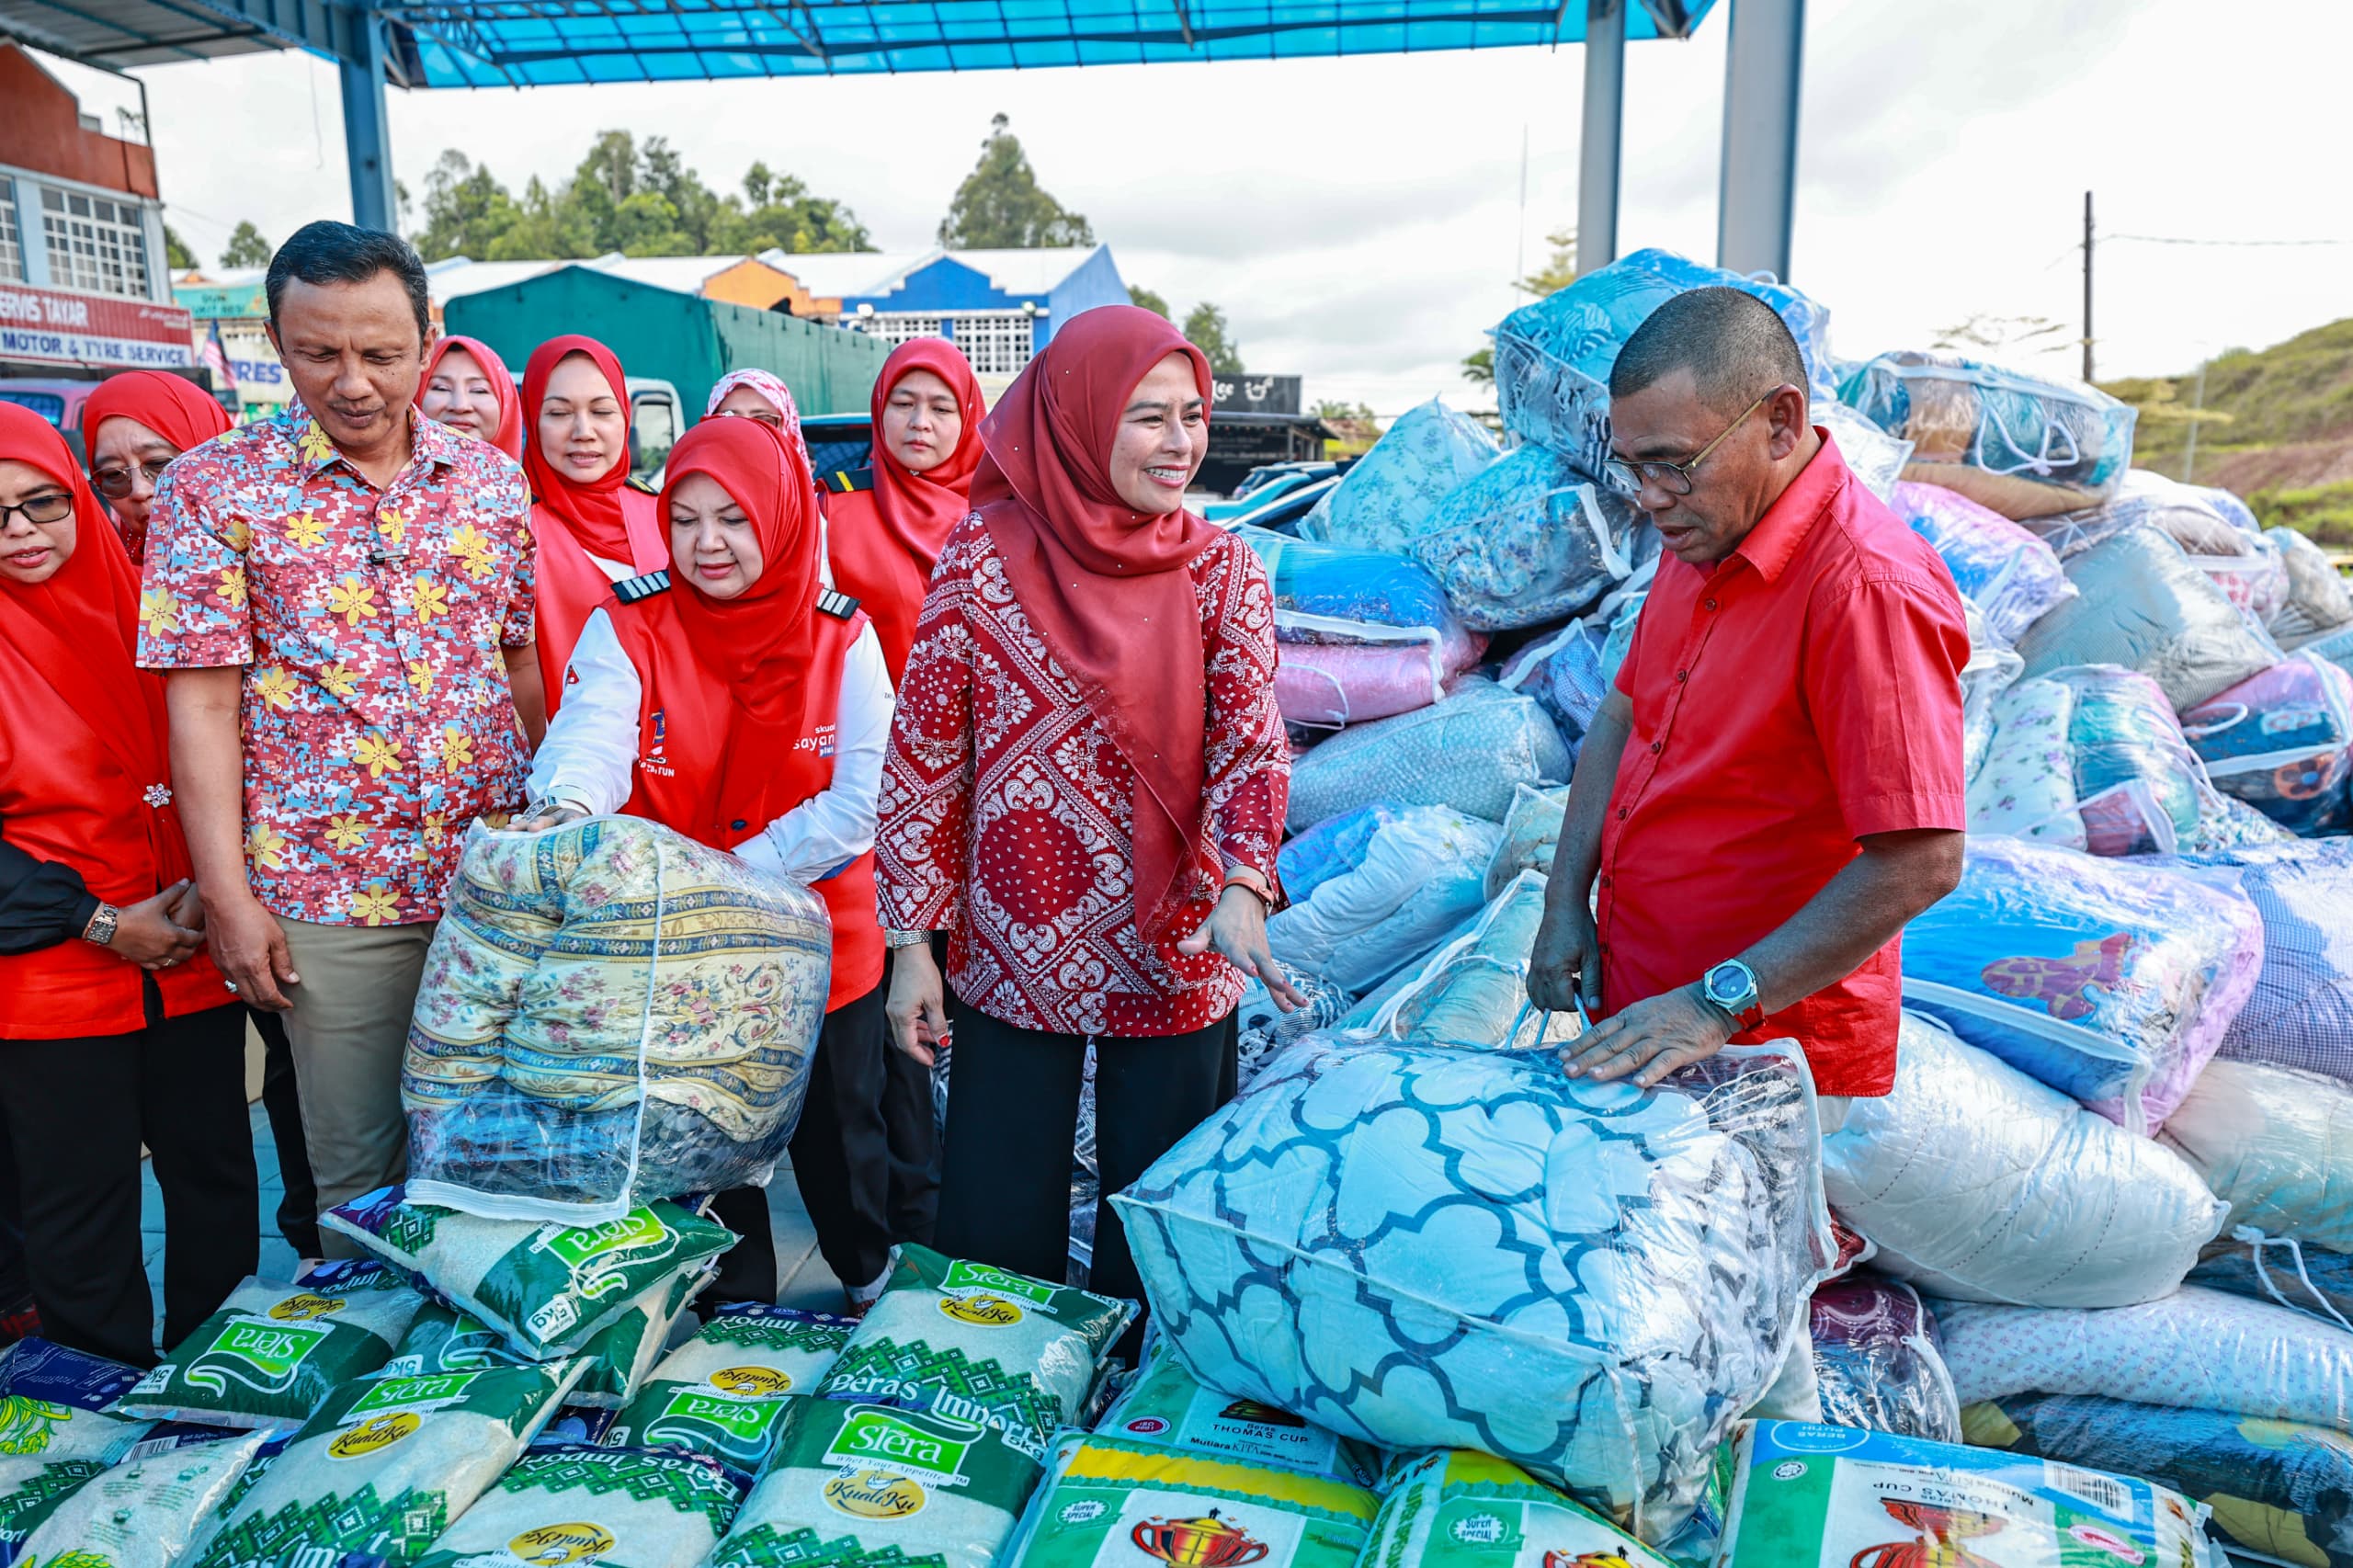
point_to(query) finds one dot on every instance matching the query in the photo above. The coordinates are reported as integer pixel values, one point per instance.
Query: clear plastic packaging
(1978, 1183)
(2025, 788)
(2193, 515)
(1467, 752)
(1382, 500)
(1992, 670)
(2001, 566)
(1581, 1277)
(2318, 601)
(610, 1014)
(1532, 832)
(1415, 874)
(1389, 589)
(2112, 982)
(2131, 754)
(1473, 990)
(2282, 741)
(1562, 672)
(1876, 1359)
(1385, 672)
(2141, 603)
(2024, 446)
(2277, 1145)
(1527, 540)
(1872, 455)
(574, 1503)
(2301, 1011)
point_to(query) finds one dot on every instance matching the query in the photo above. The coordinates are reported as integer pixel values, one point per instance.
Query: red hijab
(1105, 584)
(79, 632)
(759, 641)
(919, 510)
(592, 510)
(175, 408)
(509, 437)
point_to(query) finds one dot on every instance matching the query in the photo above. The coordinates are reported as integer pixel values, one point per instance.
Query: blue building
(999, 306)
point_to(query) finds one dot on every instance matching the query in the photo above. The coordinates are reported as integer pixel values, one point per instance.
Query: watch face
(1725, 985)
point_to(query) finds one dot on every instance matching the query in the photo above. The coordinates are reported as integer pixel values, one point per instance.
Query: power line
(2177, 240)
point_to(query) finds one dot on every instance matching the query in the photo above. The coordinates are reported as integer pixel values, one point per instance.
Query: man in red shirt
(1775, 786)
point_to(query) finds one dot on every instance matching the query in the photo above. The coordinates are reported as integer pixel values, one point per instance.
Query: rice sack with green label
(1108, 1501)
(1455, 1509)
(550, 1288)
(1166, 1404)
(144, 1514)
(385, 1466)
(274, 1351)
(444, 1340)
(979, 1343)
(1810, 1496)
(33, 1489)
(611, 1507)
(872, 1482)
(750, 1348)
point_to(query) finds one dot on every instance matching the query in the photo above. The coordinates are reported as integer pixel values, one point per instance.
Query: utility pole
(2196, 402)
(2087, 286)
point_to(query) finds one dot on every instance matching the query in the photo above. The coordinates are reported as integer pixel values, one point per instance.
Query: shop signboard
(51, 327)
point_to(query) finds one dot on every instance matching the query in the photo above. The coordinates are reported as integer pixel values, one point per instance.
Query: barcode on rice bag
(2105, 1493)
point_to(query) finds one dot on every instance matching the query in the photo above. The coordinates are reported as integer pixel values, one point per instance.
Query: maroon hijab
(1105, 584)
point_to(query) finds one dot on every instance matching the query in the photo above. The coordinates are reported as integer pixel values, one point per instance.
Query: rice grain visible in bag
(979, 1343)
(609, 1508)
(31, 1489)
(1108, 1500)
(876, 1483)
(385, 1466)
(549, 1288)
(57, 1403)
(142, 1514)
(1166, 1404)
(1460, 1508)
(274, 1351)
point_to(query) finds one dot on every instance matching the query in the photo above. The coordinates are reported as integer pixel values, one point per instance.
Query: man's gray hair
(1733, 343)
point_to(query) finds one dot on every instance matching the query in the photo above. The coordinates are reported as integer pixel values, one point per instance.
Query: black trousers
(912, 1130)
(77, 1110)
(840, 1160)
(1013, 1128)
(281, 1101)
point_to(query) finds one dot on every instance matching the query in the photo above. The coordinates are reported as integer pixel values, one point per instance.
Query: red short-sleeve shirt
(1799, 695)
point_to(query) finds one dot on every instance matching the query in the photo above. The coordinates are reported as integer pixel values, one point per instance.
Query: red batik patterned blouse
(1005, 807)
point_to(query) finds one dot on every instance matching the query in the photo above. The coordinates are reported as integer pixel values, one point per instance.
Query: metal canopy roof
(483, 43)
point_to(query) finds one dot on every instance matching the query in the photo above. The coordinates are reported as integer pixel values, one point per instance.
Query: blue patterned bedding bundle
(610, 1014)
(2111, 981)
(2139, 786)
(2023, 444)
(1528, 540)
(1419, 1245)
(1467, 752)
(2000, 566)
(2299, 1013)
(1372, 889)
(1381, 502)
(1553, 356)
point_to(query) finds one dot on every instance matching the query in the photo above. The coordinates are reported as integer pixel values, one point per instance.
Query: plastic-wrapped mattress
(1468, 751)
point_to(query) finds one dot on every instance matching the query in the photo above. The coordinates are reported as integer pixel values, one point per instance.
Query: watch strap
(99, 931)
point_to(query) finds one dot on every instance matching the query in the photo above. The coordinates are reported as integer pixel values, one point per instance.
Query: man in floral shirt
(343, 597)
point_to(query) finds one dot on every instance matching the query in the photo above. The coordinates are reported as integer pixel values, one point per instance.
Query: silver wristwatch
(99, 932)
(896, 939)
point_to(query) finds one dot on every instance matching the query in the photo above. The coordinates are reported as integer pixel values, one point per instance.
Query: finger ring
(230, 983)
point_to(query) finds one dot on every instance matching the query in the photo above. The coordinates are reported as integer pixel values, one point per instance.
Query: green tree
(1329, 409)
(779, 211)
(1559, 271)
(1479, 369)
(1001, 207)
(246, 248)
(1205, 327)
(1140, 295)
(176, 252)
(467, 211)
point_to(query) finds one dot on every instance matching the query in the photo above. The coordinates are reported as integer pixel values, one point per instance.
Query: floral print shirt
(1005, 808)
(371, 623)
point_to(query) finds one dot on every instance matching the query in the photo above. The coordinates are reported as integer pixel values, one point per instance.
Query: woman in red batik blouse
(1084, 789)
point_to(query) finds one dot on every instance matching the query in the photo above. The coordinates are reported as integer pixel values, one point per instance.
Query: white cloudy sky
(1359, 220)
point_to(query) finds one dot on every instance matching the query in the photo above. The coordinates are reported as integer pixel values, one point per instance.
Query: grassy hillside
(2276, 426)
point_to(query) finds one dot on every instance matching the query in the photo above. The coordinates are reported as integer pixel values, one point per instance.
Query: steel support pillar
(367, 135)
(1757, 194)
(1598, 145)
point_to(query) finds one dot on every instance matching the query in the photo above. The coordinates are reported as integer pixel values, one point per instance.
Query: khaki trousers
(348, 1028)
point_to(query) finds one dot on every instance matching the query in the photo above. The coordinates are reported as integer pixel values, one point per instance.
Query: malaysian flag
(216, 359)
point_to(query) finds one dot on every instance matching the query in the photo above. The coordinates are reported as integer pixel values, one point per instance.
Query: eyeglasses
(773, 421)
(115, 483)
(1630, 475)
(42, 510)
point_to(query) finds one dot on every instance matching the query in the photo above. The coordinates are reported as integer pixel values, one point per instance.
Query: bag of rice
(979, 1343)
(749, 1347)
(274, 1351)
(550, 1288)
(1458, 1509)
(1809, 1496)
(31, 1489)
(1166, 1404)
(575, 1504)
(444, 1340)
(39, 1368)
(144, 1514)
(868, 1482)
(55, 1405)
(384, 1467)
(1106, 1499)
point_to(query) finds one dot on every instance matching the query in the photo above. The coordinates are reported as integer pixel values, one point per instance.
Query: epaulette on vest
(629, 590)
(843, 481)
(841, 607)
(635, 483)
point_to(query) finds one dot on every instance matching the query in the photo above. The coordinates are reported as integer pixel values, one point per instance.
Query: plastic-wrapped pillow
(2001, 566)
(2025, 788)
(1420, 1245)
(2280, 1492)
(2196, 1349)
(1808, 1497)
(1466, 752)
(2139, 786)
(1564, 673)
(1876, 1360)
(610, 1014)
(1436, 1514)
(1382, 501)
(2143, 605)
(1416, 875)
(1527, 540)
(2024, 446)
(2282, 741)
(2277, 1145)
(274, 1351)
(1978, 1183)
(1532, 832)
(1553, 355)
(2112, 982)
(1166, 1405)
(2318, 601)
(1473, 989)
